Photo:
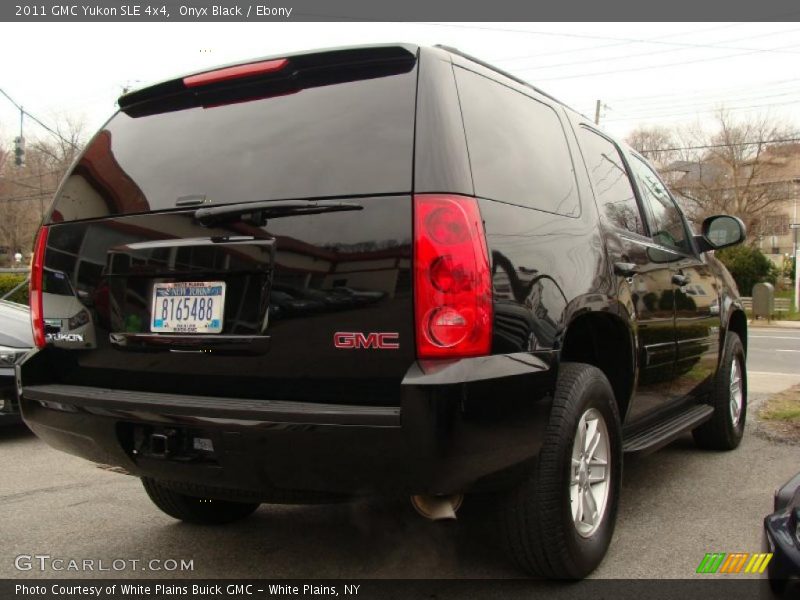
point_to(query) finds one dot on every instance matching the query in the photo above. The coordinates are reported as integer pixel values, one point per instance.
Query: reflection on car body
(68, 322)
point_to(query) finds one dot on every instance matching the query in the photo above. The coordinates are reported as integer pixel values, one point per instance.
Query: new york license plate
(188, 307)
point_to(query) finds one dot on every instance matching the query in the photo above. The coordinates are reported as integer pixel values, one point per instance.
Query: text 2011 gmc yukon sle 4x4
(385, 268)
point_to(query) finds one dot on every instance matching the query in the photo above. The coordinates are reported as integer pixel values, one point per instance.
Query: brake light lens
(35, 288)
(237, 72)
(452, 282)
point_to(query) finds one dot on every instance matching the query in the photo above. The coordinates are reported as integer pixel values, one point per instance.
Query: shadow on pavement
(13, 431)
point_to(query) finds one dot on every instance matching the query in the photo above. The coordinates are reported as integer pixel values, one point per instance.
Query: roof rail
(469, 57)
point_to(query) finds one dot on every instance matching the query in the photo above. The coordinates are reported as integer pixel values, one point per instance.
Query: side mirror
(720, 231)
(85, 297)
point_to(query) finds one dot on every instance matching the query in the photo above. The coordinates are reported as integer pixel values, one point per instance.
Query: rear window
(517, 147)
(347, 138)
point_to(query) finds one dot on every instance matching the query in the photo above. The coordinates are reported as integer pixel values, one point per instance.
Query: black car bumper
(457, 428)
(782, 538)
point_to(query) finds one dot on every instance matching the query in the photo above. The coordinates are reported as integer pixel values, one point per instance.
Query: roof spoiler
(292, 70)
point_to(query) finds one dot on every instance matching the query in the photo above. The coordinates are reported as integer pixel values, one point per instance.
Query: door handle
(679, 279)
(626, 269)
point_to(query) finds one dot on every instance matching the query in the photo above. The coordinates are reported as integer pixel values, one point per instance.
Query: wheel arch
(605, 340)
(737, 323)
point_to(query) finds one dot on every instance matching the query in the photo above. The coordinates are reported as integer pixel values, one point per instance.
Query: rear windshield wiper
(257, 213)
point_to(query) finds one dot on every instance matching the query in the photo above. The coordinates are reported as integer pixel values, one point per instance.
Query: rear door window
(517, 147)
(611, 182)
(667, 226)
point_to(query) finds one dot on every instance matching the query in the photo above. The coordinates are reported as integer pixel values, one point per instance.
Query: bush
(748, 266)
(8, 281)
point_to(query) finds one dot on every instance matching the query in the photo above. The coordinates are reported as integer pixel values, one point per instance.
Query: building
(770, 183)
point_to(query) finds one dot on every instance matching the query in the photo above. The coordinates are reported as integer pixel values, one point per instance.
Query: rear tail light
(236, 72)
(452, 283)
(36, 286)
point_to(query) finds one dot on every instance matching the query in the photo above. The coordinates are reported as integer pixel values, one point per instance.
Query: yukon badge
(353, 340)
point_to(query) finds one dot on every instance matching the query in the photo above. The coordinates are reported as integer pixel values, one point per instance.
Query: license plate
(188, 307)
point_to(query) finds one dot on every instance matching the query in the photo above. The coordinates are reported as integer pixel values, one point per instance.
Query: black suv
(378, 269)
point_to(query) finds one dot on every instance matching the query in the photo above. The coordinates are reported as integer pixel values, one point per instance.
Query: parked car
(16, 340)
(69, 322)
(359, 296)
(284, 305)
(782, 538)
(328, 300)
(535, 323)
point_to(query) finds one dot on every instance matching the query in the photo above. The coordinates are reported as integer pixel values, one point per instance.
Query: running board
(662, 433)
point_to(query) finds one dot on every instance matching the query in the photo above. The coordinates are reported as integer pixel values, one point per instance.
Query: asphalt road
(676, 505)
(773, 358)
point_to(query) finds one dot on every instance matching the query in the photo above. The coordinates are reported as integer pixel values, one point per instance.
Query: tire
(195, 509)
(537, 522)
(725, 429)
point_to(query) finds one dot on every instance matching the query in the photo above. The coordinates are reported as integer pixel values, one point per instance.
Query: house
(768, 185)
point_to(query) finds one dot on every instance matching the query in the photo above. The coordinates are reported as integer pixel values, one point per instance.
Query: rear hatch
(244, 233)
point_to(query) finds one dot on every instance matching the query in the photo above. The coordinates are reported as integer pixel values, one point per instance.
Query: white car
(69, 323)
(16, 340)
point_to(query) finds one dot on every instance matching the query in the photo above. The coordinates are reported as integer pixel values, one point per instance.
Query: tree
(748, 266)
(731, 171)
(26, 192)
(656, 143)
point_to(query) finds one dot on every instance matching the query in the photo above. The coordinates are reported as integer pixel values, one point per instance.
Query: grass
(781, 414)
(792, 315)
(9, 281)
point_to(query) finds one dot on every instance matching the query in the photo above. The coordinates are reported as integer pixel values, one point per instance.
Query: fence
(782, 305)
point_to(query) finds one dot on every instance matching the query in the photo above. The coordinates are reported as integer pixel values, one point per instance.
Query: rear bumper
(9, 414)
(457, 428)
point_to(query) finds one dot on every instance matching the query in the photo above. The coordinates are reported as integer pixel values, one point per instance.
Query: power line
(729, 108)
(655, 109)
(42, 194)
(737, 144)
(25, 185)
(591, 37)
(58, 172)
(667, 51)
(616, 44)
(759, 84)
(36, 120)
(651, 67)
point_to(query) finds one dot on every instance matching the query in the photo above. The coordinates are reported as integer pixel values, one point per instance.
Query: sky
(644, 73)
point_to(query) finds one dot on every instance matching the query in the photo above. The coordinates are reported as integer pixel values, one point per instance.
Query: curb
(774, 324)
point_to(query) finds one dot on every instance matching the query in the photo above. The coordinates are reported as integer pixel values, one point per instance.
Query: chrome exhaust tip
(437, 508)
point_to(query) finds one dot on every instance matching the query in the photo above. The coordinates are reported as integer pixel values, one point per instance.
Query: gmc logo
(349, 340)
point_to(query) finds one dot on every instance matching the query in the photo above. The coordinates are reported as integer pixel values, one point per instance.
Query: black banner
(407, 10)
(711, 588)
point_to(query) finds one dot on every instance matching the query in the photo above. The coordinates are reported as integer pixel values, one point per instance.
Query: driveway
(677, 504)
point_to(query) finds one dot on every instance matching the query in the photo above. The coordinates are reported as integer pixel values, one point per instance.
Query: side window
(667, 227)
(611, 182)
(517, 147)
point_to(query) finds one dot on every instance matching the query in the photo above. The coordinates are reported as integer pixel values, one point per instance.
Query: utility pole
(797, 280)
(795, 226)
(597, 112)
(19, 143)
(796, 251)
